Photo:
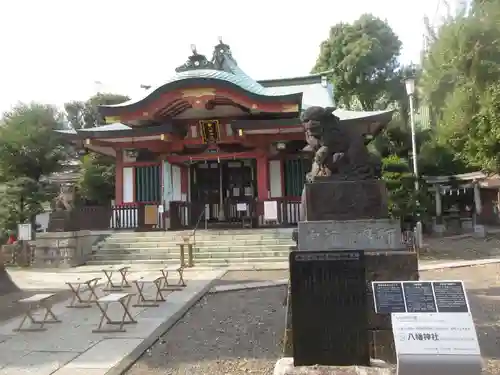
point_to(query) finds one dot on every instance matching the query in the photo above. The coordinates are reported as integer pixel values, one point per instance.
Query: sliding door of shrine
(148, 184)
(295, 171)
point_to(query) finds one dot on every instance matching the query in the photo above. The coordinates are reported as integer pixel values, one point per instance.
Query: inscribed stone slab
(376, 234)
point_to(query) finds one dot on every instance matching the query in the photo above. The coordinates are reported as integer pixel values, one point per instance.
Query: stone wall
(63, 249)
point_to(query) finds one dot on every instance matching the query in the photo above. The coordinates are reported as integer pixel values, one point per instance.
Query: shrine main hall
(213, 144)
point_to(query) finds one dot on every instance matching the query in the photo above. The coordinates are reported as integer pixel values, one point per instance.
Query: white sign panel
(241, 207)
(271, 210)
(161, 209)
(24, 232)
(434, 333)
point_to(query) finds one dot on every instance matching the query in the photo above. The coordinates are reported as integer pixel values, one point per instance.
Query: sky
(54, 51)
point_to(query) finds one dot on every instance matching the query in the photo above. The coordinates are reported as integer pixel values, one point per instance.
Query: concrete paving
(72, 348)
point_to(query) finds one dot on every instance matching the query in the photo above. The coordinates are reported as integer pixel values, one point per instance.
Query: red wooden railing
(124, 216)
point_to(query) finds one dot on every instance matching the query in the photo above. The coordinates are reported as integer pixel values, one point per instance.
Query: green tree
(461, 71)
(97, 182)
(84, 115)
(400, 184)
(482, 147)
(30, 149)
(363, 59)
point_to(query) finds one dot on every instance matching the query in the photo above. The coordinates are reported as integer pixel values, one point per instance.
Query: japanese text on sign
(434, 333)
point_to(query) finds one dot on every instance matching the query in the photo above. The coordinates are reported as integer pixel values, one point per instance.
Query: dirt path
(239, 332)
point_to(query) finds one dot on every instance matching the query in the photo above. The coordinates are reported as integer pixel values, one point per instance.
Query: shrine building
(213, 144)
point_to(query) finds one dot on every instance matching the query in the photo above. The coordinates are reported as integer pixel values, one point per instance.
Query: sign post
(24, 232)
(432, 326)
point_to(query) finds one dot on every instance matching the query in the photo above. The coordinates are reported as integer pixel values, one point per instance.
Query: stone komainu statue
(64, 200)
(340, 152)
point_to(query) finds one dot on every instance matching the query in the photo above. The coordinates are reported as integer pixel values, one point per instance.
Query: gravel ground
(467, 248)
(238, 333)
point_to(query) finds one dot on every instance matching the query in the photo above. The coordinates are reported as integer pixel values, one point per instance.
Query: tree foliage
(400, 184)
(97, 182)
(30, 149)
(460, 83)
(84, 115)
(363, 59)
(482, 149)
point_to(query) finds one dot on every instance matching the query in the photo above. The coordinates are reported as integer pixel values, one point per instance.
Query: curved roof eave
(195, 78)
(372, 116)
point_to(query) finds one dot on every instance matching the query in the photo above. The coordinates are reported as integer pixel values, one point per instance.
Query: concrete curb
(275, 283)
(459, 264)
(244, 286)
(130, 359)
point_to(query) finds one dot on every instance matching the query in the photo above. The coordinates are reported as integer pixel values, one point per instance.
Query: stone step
(242, 254)
(163, 243)
(211, 232)
(175, 249)
(201, 255)
(198, 238)
(135, 257)
(101, 262)
(213, 262)
(104, 253)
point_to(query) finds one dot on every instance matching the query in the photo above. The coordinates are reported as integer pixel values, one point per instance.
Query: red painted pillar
(119, 177)
(262, 178)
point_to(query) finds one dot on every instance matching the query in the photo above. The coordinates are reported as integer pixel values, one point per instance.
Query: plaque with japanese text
(419, 297)
(388, 297)
(210, 131)
(450, 296)
(329, 308)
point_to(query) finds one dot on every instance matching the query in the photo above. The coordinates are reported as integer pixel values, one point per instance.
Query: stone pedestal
(285, 366)
(63, 249)
(61, 221)
(353, 215)
(345, 200)
(365, 234)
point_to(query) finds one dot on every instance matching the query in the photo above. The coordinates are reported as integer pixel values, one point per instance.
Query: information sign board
(434, 333)
(24, 232)
(447, 296)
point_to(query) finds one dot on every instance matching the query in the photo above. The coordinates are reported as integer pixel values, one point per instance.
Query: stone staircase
(213, 248)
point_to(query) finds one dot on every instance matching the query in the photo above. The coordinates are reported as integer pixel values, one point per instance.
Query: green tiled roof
(242, 81)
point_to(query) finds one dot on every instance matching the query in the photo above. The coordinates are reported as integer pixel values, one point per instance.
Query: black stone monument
(329, 308)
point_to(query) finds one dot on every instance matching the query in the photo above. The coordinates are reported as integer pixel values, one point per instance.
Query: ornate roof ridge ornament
(221, 51)
(195, 61)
